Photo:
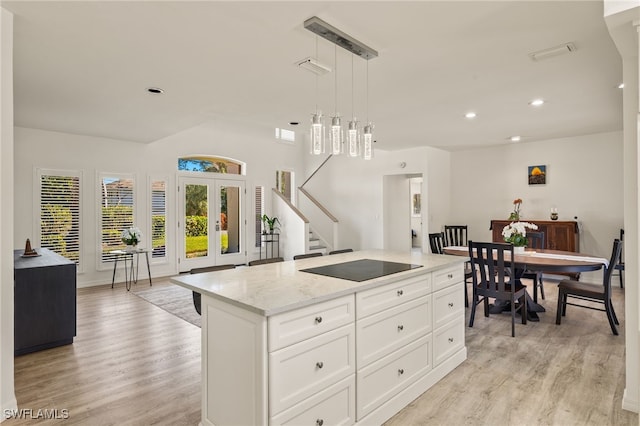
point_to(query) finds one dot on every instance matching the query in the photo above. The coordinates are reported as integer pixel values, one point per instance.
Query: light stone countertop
(279, 287)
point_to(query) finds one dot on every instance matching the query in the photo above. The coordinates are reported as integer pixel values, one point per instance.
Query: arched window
(211, 164)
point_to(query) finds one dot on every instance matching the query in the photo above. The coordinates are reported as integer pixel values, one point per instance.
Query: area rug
(172, 298)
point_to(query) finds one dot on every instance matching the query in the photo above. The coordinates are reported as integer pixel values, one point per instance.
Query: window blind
(60, 215)
(259, 203)
(159, 219)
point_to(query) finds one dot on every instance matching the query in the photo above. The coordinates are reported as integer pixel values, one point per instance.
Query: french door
(211, 226)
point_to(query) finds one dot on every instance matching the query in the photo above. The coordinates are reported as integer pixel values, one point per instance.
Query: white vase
(130, 248)
(518, 250)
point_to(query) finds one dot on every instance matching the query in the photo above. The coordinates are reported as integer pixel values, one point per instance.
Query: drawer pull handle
(400, 292)
(319, 364)
(400, 327)
(319, 422)
(449, 276)
(451, 304)
(318, 320)
(401, 371)
(450, 339)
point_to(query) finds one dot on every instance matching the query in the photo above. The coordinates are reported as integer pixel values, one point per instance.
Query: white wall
(352, 190)
(584, 179)
(7, 392)
(254, 145)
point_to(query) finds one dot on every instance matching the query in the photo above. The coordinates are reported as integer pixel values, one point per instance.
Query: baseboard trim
(629, 404)
(8, 407)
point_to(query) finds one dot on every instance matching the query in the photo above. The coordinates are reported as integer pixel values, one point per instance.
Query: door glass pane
(229, 219)
(196, 220)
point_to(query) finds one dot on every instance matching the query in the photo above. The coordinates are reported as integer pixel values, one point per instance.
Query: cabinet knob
(318, 320)
(400, 327)
(319, 364)
(319, 422)
(450, 339)
(451, 304)
(401, 371)
(449, 276)
(400, 292)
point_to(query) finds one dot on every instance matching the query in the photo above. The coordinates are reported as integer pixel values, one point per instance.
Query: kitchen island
(290, 343)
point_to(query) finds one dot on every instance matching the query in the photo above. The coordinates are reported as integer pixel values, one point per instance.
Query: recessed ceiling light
(294, 123)
(621, 86)
(155, 90)
(470, 114)
(536, 102)
(515, 138)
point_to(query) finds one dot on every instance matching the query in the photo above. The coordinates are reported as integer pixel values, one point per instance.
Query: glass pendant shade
(353, 139)
(335, 136)
(317, 134)
(368, 142)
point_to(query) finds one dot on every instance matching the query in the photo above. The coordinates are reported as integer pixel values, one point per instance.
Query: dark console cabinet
(44, 301)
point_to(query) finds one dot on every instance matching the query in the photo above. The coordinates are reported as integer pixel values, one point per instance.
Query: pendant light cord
(335, 66)
(353, 115)
(316, 76)
(367, 90)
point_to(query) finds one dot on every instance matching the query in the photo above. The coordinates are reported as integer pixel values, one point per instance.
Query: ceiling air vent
(552, 51)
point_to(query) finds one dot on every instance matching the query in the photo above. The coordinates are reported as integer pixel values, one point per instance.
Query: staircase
(315, 245)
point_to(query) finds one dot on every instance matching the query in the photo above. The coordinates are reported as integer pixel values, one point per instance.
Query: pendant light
(353, 133)
(335, 137)
(317, 126)
(367, 151)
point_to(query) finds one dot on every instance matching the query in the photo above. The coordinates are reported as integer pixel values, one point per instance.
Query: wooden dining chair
(307, 255)
(436, 242)
(535, 240)
(493, 281)
(455, 235)
(591, 292)
(620, 264)
(197, 297)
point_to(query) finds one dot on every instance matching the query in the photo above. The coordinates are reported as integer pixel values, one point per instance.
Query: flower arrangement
(516, 233)
(515, 214)
(131, 236)
(270, 223)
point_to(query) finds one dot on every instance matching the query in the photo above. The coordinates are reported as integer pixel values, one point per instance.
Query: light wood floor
(134, 364)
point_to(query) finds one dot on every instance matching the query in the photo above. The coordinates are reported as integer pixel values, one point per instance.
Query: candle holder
(554, 214)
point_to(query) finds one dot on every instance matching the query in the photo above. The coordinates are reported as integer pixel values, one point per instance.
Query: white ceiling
(83, 67)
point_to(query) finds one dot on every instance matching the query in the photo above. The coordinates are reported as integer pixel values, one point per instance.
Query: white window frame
(37, 200)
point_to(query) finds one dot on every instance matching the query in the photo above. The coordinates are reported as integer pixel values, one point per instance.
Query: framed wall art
(537, 175)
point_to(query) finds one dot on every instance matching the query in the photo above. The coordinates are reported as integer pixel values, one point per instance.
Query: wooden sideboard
(558, 235)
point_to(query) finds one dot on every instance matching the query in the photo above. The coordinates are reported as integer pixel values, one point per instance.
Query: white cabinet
(359, 357)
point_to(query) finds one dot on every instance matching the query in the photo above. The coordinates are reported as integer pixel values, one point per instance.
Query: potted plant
(269, 223)
(516, 234)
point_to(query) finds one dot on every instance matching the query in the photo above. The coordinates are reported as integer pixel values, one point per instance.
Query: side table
(130, 273)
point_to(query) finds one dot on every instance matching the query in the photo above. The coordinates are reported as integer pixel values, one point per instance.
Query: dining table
(544, 260)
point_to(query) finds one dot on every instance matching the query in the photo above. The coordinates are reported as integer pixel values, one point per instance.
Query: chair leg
(621, 283)
(513, 318)
(535, 289)
(523, 309)
(613, 312)
(564, 304)
(486, 306)
(608, 307)
(466, 295)
(560, 306)
(539, 275)
(473, 308)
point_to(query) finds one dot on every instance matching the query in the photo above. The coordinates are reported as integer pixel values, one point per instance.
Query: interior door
(211, 225)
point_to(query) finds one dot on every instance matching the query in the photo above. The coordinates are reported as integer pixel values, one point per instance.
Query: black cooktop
(361, 270)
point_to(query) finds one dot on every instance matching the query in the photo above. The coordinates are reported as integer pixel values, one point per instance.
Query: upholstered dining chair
(437, 244)
(535, 240)
(347, 250)
(307, 255)
(265, 261)
(493, 281)
(591, 292)
(197, 297)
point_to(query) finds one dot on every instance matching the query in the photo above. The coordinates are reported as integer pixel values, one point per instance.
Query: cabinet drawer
(448, 276)
(379, 381)
(301, 370)
(448, 304)
(377, 299)
(382, 333)
(335, 405)
(448, 340)
(295, 326)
